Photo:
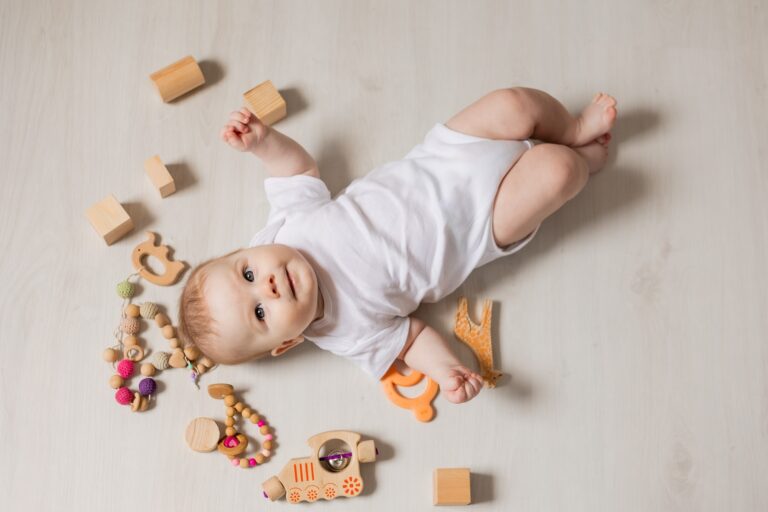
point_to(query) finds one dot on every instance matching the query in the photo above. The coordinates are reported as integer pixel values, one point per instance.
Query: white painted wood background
(634, 325)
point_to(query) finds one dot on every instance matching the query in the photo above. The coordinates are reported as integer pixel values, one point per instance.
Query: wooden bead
(174, 342)
(219, 391)
(116, 381)
(243, 463)
(168, 331)
(230, 431)
(192, 352)
(132, 310)
(147, 370)
(177, 359)
(130, 341)
(259, 458)
(230, 411)
(254, 418)
(206, 362)
(264, 429)
(200, 369)
(230, 400)
(247, 412)
(267, 445)
(230, 422)
(161, 319)
(110, 355)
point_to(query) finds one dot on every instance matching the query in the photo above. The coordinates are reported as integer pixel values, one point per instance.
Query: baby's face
(259, 298)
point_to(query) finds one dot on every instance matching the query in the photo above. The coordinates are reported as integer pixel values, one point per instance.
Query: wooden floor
(633, 328)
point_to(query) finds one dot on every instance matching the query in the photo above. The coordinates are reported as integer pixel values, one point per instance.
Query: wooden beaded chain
(128, 345)
(234, 444)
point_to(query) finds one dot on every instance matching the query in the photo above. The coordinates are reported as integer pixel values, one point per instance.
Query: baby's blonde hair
(195, 322)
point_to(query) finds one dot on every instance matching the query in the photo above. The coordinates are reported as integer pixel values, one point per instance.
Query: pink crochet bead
(251, 462)
(268, 437)
(124, 396)
(260, 423)
(125, 368)
(231, 441)
(235, 462)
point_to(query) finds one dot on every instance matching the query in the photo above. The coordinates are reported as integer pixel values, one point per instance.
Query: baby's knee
(563, 170)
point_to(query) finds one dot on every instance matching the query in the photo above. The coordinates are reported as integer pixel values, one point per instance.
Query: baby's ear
(286, 346)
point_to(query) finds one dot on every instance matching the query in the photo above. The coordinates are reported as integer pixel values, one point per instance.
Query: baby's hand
(243, 131)
(458, 384)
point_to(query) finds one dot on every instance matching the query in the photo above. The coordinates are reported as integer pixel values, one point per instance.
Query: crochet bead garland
(128, 353)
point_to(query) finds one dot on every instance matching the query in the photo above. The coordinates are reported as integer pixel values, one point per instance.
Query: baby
(346, 273)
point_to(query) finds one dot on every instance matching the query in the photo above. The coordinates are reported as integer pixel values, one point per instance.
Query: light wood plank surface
(634, 327)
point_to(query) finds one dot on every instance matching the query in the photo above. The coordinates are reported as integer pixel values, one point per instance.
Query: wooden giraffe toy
(478, 338)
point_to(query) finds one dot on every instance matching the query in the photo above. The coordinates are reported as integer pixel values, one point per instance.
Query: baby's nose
(271, 287)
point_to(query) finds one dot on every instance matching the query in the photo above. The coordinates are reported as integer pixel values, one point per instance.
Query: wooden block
(159, 176)
(266, 103)
(451, 486)
(178, 78)
(109, 219)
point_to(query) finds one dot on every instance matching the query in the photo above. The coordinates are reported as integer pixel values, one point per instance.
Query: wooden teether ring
(173, 269)
(133, 352)
(237, 449)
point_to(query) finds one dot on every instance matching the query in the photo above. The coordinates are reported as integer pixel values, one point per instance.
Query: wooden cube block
(159, 176)
(178, 78)
(109, 219)
(451, 486)
(266, 103)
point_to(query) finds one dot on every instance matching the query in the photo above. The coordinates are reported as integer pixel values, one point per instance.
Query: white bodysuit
(410, 231)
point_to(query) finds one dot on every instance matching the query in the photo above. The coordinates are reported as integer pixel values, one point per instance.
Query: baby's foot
(595, 153)
(458, 384)
(595, 120)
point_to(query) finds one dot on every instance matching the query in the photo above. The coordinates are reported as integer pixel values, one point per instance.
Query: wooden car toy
(331, 471)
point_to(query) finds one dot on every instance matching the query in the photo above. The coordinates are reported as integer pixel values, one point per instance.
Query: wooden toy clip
(173, 269)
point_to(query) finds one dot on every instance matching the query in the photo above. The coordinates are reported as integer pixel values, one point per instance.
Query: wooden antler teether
(478, 338)
(173, 269)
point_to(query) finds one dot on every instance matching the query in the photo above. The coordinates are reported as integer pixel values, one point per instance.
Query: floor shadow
(481, 487)
(139, 214)
(333, 165)
(212, 71)
(182, 175)
(294, 100)
(629, 125)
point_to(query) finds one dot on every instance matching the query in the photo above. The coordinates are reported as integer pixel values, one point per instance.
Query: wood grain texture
(633, 327)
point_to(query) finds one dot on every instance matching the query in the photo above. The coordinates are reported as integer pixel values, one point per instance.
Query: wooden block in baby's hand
(159, 176)
(451, 486)
(109, 219)
(265, 102)
(178, 78)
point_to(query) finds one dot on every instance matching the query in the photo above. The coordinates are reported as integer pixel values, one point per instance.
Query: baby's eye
(248, 275)
(260, 312)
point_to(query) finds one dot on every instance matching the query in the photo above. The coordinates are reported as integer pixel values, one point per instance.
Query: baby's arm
(281, 155)
(427, 352)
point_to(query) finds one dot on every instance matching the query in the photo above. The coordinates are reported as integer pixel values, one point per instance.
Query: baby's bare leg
(541, 181)
(522, 113)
